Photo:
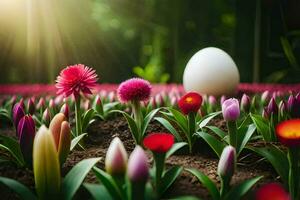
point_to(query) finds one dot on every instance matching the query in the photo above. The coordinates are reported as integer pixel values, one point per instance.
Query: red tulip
(272, 191)
(288, 132)
(159, 142)
(190, 102)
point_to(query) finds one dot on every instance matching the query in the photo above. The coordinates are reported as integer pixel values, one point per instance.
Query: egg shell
(211, 71)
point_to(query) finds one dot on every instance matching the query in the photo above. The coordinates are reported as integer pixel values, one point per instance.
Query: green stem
(120, 181)
(78, 117)
(232, 130)
(138, 117)
(293, 157)
(191, 130)
(224, 186)
(138, 190)
(159, 159)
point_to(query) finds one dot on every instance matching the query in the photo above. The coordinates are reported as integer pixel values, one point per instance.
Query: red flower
(272, 191)
(159, 142)
(135, 89)
(190, 102)
(75, 79)
(288, 132)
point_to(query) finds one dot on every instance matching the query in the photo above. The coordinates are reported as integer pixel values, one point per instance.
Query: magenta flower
(231, 109)
(135, 89)
(138, 170)
(75, 79)
(18, 113)
(227, 162)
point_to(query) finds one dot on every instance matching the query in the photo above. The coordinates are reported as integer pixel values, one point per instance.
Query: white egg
(211, 71)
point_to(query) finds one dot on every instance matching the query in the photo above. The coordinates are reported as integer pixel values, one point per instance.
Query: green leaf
(108, 183)
(109, 106)
(98, 191)
(175, 147)
(241, 189)
(288, 50)
(87, 117)
(207, 119)
(22, 191)
(180, 119)
(132, 125)
(169, 177)
(217, 131)
(170, 128)
(186, 198)
(276, 157)
(75, 140)
(262, 126)
(75, 177)
(147, 120)
(207, 182)
(13, 147)
(243, 138)
(213, 142)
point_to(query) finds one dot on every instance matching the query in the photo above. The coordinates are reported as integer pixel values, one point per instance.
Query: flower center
(189, 100)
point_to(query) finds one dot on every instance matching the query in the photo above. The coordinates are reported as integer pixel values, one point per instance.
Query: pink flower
(134, 89)
(75, 79)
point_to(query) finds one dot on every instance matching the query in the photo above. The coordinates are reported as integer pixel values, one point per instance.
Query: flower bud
(46, 117)
(223, 98)
(294, 106)
(231, 109)
(138, 170)
(272, 106)
(282, 108)
(51, 104)
(159, 100)
(18, 113)
(65, 110)
(61, 132)
(245, 103)
(26, 134)
(212, 101)
(265, 113)
(227, 162)
(41, 104)
(116, 158)
(30, 106)
(111, 96)
(46, 167)
(190, 103)
(265, 97)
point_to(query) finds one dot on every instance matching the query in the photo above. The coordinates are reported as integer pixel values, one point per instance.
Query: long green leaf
(22, 191)
(175, 147)
(207, 182)
(241, 189)
(13, 147)
(243, 138)
(87, 117)
(169, 177)
(147, 120)
(216, 145)
(262, 126)
(207, 119)
(108, 183)
(170, 128)
(75, 140)
(97, 191)
(74, 178)
(217, 131)
(180, 119)
(276, 157)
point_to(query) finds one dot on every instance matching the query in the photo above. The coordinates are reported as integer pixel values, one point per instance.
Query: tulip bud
(223, 98)
(227, 163)
(159, 100)
(173, 101)
(41, 104)
(245, 103)
(254, 102)
(18, 113)
(21, 102)
(30, 106)
(116, 158)
(111, 97)
(265, 97)
(265, 113)
(138, 170)
(51, 104)
(98, 104)
(282, 108)
(290, 103)
(46, 167)
(46, 117)
(13, 100)
(152, 102)
(212, 101)
(26, 134)
(294, 106)
(65, 110)
(231, 109)
(61, 132)
(272, 106)
(58, 100)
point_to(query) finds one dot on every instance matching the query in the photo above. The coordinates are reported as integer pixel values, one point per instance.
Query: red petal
(159, 142)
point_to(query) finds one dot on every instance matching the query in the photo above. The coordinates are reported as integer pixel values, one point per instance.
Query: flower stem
(191, 130)
(138, 190)
(224, 186)
(231, 125)
(78, 116)
(293, 157)
(138, 117)
(159, 159)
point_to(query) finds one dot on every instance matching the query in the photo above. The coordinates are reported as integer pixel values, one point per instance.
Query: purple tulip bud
(116, 158)
(13, 100)
(265, 97)
(282, 108)
(231, 109)
(159, 100)
(223, 98)
(294, 106)
(51, 104)
(227, 163)
(138, 170)
(46, 118)
(18, 113)
(290, 103)
(212, 101)
(65, 110)
(272, 106)
(30, 106)
(245, 103)
(26, 134)
(265, 114)
(41, 104)
(21, 102)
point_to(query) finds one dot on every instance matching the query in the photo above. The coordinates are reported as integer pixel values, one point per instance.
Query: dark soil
(102, 132)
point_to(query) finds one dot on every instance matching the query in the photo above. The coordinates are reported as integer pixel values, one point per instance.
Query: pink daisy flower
(75, 79)
(135, 89)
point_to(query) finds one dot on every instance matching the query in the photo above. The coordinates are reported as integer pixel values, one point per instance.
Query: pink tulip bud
(111, 97)
(41, 104)
(282, 108)
(223, 98)
(245, 103)
(272, 106)
(26, 134)
(138, 170)
(116, 158)
(265, 97)
(18, 113)
(65, 110)
(159, 100)
(46, 117)
(265, 113)
(30, 106)
(212, 101)
(227, 163)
